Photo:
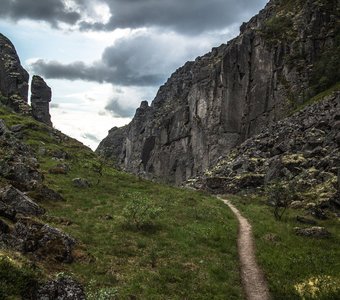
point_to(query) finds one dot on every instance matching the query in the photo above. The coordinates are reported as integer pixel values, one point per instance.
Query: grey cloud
(142, 60)
(51, 11)
(182, 16)
(91, 137)
(115, 108)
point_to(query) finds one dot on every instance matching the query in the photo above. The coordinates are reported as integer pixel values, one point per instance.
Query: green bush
(140, 212)
(280, 195)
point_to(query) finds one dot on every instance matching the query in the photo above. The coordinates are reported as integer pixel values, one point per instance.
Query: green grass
(189, 252)
(287, 259)
(17, 278)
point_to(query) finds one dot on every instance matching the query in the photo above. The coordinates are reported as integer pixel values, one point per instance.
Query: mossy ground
(189, 252)
(289, 260)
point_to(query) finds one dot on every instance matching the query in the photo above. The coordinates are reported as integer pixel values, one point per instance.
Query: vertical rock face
(282, 57)
(40, 99)
(13, 77)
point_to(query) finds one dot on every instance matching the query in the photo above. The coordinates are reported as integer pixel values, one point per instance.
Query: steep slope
(282, 57)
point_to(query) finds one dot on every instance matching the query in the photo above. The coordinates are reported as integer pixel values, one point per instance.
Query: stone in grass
(80, 183)
(304, 220)
(19, 202)
(296, 204)
(314, 232)
(64, 288)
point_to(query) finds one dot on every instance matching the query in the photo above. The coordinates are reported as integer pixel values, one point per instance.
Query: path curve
(254, 283)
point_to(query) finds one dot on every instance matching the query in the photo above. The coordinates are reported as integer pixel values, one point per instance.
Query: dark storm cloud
(118, 110)
(51, 11)
(133, 61)
(182, 16)
(98, 72)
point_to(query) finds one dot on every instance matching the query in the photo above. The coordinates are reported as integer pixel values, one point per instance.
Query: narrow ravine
(253, 281)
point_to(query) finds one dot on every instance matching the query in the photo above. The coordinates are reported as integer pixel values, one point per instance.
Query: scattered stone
(60, 154)
(64, 288)
(80, 183)
(314, 232)
(318, 213)
(19, 202)
(62, 169)
(296, 204)
(305, 220)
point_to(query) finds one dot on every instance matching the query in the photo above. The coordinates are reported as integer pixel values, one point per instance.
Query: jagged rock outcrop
(301, 150)
(40, 99)
(282, 57)
(13, 77)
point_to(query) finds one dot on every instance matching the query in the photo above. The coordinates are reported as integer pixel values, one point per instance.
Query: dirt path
(253, 281)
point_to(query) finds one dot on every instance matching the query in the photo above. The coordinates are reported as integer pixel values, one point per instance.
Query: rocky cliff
(13, 77)
(14, 84)
(282, 57)
(303, 150)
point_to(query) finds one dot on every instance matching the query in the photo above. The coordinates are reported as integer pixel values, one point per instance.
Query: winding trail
(254, 283)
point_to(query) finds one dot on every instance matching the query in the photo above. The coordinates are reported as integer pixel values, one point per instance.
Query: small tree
(280, 196)
(140, 211)
(98, 168)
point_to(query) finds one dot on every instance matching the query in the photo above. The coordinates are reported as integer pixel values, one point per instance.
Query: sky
(103, 57)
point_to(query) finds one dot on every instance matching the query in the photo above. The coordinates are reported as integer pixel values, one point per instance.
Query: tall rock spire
(40, 99)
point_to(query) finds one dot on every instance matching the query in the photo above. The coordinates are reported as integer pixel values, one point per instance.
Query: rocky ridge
(210, 105)
(14, 84)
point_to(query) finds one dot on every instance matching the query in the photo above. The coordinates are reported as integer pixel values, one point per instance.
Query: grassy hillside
(183, 247)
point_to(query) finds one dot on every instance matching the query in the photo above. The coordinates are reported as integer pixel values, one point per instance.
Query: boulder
(62, 169)
(19, 202)
(304, 220)
(64, 288)
(314, 232)
(80, 183)
(44, 241)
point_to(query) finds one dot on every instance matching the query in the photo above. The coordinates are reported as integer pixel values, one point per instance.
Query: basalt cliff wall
(283, 56)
